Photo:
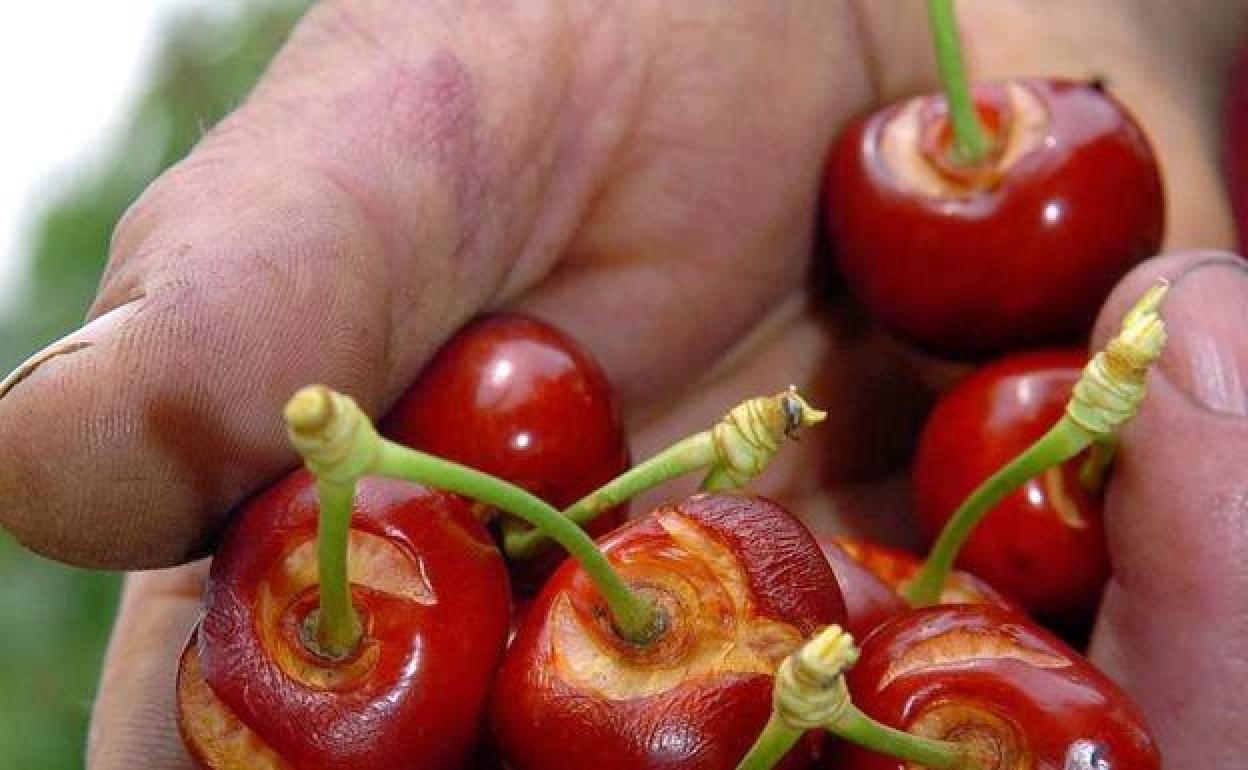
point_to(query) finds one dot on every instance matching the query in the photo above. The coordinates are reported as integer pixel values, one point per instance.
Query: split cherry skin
(1016, 249)
(1044, 544)
(995, 682)
(740, 584)
(431, 590)
(517, 398)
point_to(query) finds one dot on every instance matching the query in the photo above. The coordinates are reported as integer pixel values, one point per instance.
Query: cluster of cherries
(399, 603)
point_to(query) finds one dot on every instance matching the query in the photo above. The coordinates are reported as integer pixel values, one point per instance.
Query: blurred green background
(56, 619)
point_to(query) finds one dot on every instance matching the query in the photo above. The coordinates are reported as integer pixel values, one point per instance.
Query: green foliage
(56, 619)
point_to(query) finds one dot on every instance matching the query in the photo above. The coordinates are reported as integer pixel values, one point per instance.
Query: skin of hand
(649, 166)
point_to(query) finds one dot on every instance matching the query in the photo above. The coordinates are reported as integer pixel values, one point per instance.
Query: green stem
(717, 480)
(1063, 441)
(337, 623)
(772, 744)
(970, 140)
(1096, 465)
(858, 728)
(687, 455)
(635, 618)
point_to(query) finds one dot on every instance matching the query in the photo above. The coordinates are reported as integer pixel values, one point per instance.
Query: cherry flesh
(740, 584)
(431, 589)
(517, 398)
(1020, 249)
(1044, 544)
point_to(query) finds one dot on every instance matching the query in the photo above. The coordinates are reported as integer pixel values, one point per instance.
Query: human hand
(638, 168)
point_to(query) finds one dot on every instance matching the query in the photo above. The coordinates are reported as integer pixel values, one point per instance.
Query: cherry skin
(519, 399)
(1235, 148)
(740, 583)
(431, 589)
(1020, 249)
(1044, 544)
(872, 578)
(993, 679)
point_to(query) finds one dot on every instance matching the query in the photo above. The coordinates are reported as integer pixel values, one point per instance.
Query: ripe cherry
(254, 690)
(994, 682)
(520, 400)
(1044, 544)
(739, 582)
(1018, 248)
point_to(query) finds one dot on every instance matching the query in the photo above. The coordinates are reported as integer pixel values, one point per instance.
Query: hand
(642, 166)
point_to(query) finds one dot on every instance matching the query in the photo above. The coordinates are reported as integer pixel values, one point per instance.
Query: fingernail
(89, 334)
(1207, 319)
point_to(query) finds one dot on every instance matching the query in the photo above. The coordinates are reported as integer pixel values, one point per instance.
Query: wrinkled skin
(645, 176)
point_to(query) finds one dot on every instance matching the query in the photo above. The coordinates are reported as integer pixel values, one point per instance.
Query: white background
(69, 72)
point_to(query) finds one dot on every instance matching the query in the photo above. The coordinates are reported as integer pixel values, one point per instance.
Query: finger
(1175, 613)
(135, 711)
(375, 191)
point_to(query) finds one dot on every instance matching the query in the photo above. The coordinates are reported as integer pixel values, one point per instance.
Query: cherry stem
(777, 737)
(338, 628)
(1062, 442)
(856, 727)
(636, 619)
(339, 445)
(810, 692)
(687, 455)
(1108, 394)
(971, 142)
(733, 451)
(1093, 469)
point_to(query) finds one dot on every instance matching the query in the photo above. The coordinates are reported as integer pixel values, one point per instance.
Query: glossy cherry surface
(986, 676)
(1235, 144)
(431, 589)
(740, 582)
(1018, 250)
(519, 399)
(872, 577)
(1044, 544)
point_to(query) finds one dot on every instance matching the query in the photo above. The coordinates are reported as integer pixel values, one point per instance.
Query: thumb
(1175, 614)
(336, 228)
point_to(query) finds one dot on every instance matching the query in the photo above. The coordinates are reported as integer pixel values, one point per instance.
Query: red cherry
(519, 399)
(1020, 249)
(740, 583)
(1044, 544)
(1236, 144)
(872, 577)
(431, 590)
(991, 678)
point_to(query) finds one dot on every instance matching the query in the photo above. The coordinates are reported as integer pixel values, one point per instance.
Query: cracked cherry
(519, 399)
(740, 584)
(1044, 544)
(431, 589)
(1017, 249)
(993, 679)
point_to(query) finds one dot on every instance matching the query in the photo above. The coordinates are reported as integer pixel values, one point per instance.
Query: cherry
(254, 689)
(873, 577)
(1011, 694)
(516, 398)
(1018, 248)
(1044, 544)
(739, 583)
